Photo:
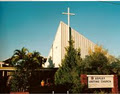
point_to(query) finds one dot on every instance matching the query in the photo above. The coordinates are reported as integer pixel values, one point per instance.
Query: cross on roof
(69, 14)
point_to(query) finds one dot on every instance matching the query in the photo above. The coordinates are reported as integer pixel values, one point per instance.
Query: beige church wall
(50, 55)
(57, 48)
(64, 39)
(81, 42)
(57, 51)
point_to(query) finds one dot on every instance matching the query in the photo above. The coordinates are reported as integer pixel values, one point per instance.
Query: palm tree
(38, 59)
(26, 63)
(19, 56)
(21, 76)
(33, 61)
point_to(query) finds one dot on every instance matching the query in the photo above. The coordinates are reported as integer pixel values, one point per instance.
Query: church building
(57, 51)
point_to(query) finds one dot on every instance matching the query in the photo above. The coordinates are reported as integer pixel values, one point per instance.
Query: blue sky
(34, 24)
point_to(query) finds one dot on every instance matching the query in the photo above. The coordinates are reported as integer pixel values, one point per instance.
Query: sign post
(115, 88)
(101, 81)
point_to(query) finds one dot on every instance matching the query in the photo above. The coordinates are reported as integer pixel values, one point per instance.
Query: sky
(34, 24)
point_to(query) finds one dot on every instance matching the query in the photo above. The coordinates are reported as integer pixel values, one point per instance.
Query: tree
(96, 63)
(68, 73)
(98, 49)
(18, 56)
(114, 67)
(51, 65)
(26, 63)
(100, 62)
(33, 61)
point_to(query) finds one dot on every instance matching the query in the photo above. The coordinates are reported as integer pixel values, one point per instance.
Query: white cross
(68, 20)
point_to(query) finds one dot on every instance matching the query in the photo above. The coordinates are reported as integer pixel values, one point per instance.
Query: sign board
(100, 81)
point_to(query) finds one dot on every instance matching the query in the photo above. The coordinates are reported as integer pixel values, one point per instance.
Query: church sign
(100, 81)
